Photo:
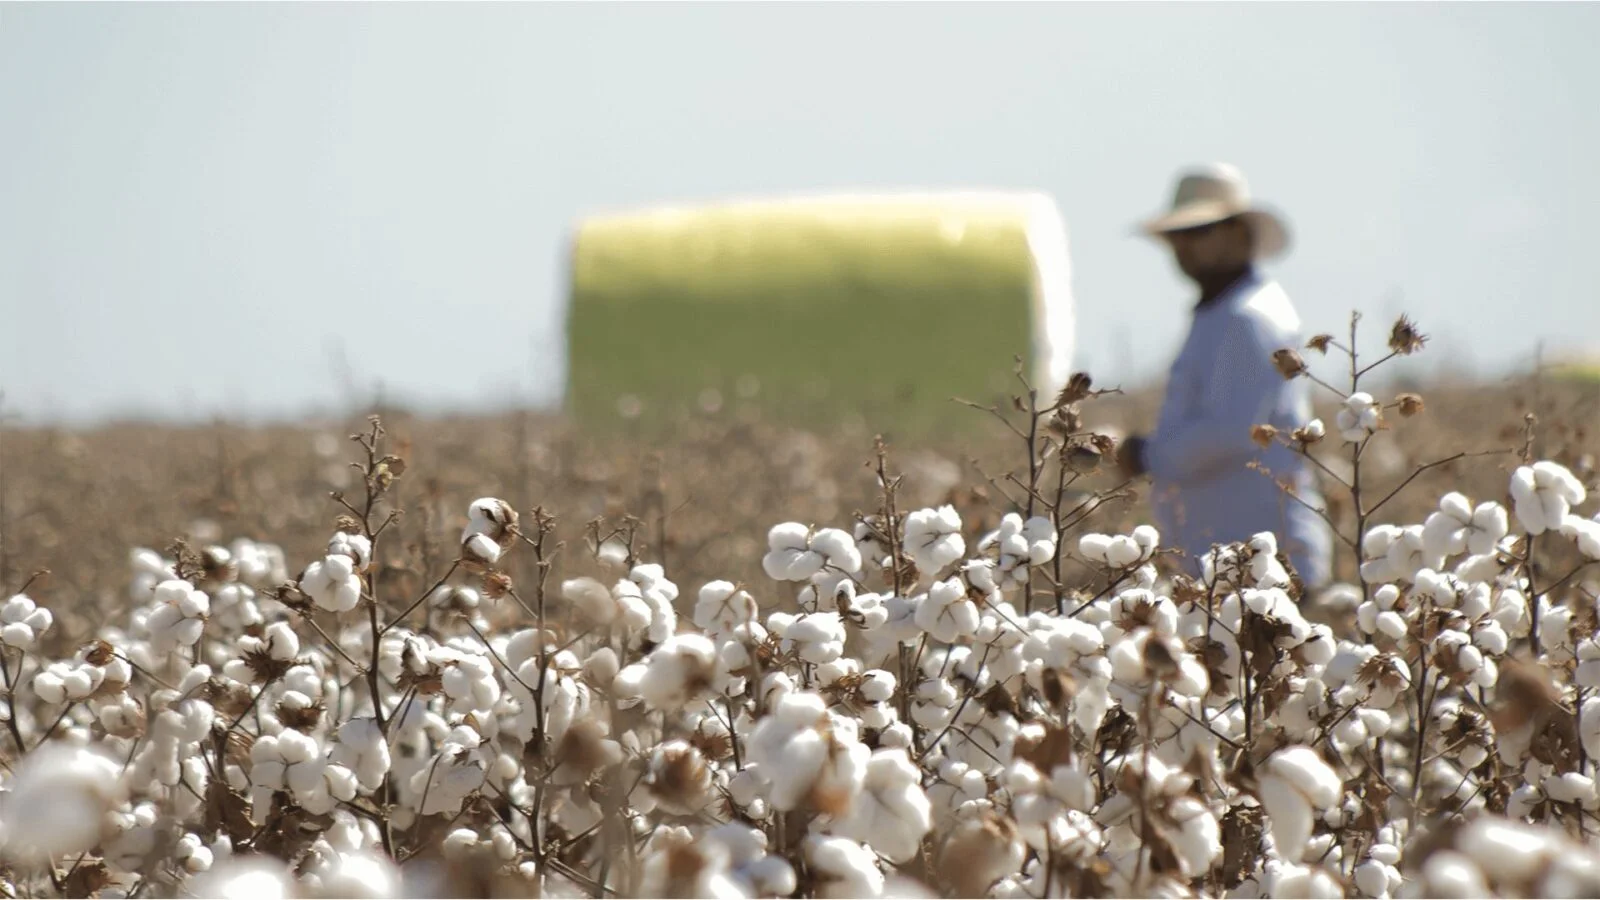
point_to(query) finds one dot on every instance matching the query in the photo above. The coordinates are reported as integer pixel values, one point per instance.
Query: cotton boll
(590, 599)
(480, 549)
(819, 637)
(721, 608)
(679, 671)
(1451, 874)
(891, 812)
(1358, 417)
(1544, 494)
(1296, 783)
(792, 750)
(933, 538)
(1375, 546)
(1372, 879)
(789, 557)
(62, 794)
(24, 622)
(1585, 531)
(1123, 552)
(843, 868)
(1572, 787)
(945, 613)
(1310, 882)
(877, 686)
(1095, 547)
(332, 584)
(253, 877)
(1507, 851)
(838, 549)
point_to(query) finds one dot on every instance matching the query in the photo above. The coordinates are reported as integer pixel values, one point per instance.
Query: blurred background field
(76, 501)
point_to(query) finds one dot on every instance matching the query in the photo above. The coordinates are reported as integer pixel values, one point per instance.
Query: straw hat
(1212, 194)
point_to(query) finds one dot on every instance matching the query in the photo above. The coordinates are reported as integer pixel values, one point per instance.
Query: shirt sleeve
(1240, 386)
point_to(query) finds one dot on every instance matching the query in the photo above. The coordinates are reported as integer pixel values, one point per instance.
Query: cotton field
(910, 700)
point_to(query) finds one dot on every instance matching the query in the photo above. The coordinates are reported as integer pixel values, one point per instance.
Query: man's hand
(1130, 456)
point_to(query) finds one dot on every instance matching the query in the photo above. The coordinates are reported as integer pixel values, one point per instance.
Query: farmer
(1224, 382)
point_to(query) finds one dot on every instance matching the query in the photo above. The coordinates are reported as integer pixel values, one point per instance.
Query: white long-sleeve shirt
(1222, 383)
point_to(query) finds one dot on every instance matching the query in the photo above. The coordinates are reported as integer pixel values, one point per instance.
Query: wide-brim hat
(1214, 194)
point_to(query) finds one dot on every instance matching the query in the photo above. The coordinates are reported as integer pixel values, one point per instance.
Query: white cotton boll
(789, 749)
(24, 622)
(746, 786)
(304, 680)
(332, 584)
(1585, 531)
(1123, 552)
(1357, 418)
(1148, 539)
(933, 538)
(838, 548)
(1571, 787)
(900, 735)
(50, 685)
(355, 546)
(282, 643)
(1544, 494)
(1372, 879)
(1451, 874)
(253, 877)
(1297, 781)
(788, 536)
(1095, 547)
(590, 599)
(843, 868)
(1520, 804)
(1509, 852)
(678, 671)
(1555, 629)
(789, 557)
(1391, 624)
(1198, 839)
(360, 875)
(721, 608)
(58, 797)
(877, 685)
(820, 637)
(1308, 882)
(830, 673)
(772, 876)
(891, 812)
(945, 613)
(482, 548)
(1488, 525)
(1587, 674)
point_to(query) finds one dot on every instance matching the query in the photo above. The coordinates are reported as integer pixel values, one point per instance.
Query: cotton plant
(832, 728)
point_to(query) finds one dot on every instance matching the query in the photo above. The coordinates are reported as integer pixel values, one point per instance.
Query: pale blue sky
(198, 200)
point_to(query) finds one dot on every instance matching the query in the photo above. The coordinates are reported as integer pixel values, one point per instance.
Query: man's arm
(1241, 385)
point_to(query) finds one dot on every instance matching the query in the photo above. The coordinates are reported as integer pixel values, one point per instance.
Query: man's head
(1214, 250)
(1214, 227)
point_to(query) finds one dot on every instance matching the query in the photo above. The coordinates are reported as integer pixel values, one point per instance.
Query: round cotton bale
(816, 310)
